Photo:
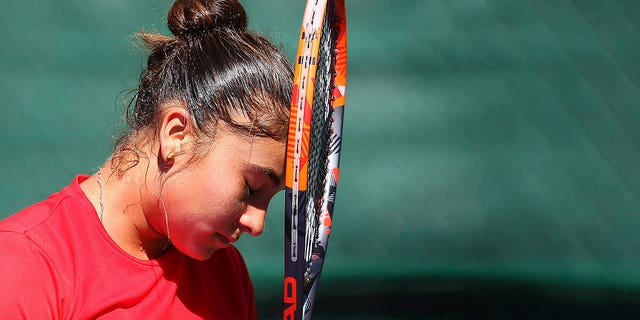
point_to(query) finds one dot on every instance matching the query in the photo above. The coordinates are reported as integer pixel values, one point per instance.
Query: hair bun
(196, 17)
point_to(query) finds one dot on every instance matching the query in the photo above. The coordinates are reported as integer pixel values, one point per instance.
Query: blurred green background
(489, 157)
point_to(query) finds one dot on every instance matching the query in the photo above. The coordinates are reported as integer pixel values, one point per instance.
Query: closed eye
(248, 190)
(275, 179)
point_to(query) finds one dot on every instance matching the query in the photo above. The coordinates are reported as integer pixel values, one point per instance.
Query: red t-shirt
(58, 262)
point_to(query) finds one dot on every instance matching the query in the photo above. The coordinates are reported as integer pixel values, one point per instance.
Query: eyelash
(248, 190)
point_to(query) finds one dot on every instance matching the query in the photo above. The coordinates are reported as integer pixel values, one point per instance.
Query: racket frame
(299, 298)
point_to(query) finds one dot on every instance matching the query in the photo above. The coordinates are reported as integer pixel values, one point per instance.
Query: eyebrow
(269, 172)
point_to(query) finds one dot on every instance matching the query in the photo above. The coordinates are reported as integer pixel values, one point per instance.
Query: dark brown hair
(217, 68)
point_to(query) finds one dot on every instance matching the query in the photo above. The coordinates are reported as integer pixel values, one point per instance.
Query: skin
(209, 203)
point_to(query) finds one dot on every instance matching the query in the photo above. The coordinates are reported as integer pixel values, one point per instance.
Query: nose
(252, 220)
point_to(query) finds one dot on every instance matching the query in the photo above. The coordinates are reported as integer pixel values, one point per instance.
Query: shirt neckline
(92, 216)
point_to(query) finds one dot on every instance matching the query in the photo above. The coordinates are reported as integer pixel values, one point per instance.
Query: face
(212, 202)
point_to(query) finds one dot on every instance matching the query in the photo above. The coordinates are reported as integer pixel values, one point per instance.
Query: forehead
(229, 145)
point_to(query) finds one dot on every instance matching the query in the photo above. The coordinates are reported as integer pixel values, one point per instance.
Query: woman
(149, 235)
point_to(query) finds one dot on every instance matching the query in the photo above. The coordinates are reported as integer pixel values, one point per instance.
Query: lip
(224, 240)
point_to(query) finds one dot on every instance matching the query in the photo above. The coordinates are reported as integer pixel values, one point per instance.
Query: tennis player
(149, 235)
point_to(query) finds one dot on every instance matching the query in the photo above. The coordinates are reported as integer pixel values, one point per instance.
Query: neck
(129, 209)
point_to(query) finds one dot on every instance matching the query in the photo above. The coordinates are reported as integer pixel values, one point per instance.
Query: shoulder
(15, 245)
(39, 247)
(22, 256)
(54, 220)
(37, 243)
(29, 279)
(69, 199)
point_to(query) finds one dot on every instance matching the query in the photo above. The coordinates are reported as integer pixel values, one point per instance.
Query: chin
(200, 255)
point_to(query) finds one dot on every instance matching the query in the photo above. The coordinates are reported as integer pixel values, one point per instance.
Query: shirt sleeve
(30, 289)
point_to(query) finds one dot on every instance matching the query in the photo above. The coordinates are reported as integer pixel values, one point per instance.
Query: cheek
(202, 204)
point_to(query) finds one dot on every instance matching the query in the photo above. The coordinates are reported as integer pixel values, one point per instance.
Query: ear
(174, 133)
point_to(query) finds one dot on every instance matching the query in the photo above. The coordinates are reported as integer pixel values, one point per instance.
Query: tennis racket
(313, 151)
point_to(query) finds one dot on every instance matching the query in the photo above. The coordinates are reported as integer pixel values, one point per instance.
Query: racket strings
(320, 145)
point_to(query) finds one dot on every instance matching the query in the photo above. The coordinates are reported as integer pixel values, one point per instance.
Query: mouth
(224, 240)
